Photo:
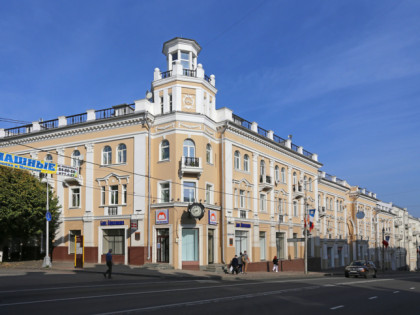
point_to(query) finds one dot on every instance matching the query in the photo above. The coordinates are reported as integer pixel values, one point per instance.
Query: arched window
(319, 202)
(48, 158)
(209, 153)
(305, 182)
(122, 153)
(277, 173)
(107, 155)
(294, 178)
(164, 150)
(309, 184)
(237, 160)
(189, 148)
(327, 204)
(331, 204)
(246, 163)
(336, 205)
(283, 175)
(75, 158)
(262, 167)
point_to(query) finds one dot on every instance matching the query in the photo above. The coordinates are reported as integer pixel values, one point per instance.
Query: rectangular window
(190, 244)
(242, 214)
(242, 199)
(235, 196)
(161, 104)
(164, 192)
(295, 209)
(189, 192)
(170, 102)
(209, 193)
(280, 206)
(75, 197)
(263, 203)
(113, 239)
(112, 210)
(72, 237)
(124, 194)
(113, 195)
(185, 60)
(102, 195)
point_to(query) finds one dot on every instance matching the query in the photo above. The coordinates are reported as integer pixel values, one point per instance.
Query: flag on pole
(311, 219)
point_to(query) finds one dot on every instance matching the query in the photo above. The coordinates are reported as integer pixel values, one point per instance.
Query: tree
(23, 200)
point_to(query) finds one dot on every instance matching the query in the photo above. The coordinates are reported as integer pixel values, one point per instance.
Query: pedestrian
(245, 261)
(109, 264)
(275, 264)
(240, 263)
(234, 264)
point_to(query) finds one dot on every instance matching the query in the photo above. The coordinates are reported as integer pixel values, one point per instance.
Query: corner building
(143, 165)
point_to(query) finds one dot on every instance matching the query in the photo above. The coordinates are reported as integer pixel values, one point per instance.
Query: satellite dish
(360, 215)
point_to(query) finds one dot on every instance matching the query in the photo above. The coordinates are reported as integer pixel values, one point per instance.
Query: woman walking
(275, 264)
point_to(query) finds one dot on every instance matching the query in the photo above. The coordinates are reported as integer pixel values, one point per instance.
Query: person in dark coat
(109, 264)
(275, 264)
(234, 264)
(240, 262)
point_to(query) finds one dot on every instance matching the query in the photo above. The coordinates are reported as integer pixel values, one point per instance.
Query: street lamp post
(383, 249)
(47, 260)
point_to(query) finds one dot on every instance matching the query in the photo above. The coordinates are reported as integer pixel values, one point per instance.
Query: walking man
(109, 264)
(245, 261)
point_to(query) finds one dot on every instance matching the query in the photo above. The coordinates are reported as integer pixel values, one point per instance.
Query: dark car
(362, 268)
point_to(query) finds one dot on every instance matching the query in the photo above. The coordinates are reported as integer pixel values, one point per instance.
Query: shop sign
(109, 222)
(162, 216)
(387, 238)
(243, 225)
(212, 217)
(133, 224)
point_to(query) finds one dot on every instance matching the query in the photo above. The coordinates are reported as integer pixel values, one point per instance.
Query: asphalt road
(89, 293)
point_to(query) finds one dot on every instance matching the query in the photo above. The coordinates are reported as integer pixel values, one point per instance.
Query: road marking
(215, 300)
(373, 297)
(396, 292)
(336, 307)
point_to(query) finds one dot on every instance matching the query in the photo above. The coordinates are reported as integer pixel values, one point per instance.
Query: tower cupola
(183, 49)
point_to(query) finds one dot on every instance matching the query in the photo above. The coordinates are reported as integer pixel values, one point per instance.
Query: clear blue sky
(343, 77)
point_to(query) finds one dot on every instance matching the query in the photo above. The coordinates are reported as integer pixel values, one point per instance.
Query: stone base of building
(190, 265)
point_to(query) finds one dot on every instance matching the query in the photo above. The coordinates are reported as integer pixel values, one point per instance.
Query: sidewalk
(145, 271)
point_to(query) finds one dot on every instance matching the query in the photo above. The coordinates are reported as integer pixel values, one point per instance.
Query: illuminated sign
(162, 216)
(212, 217)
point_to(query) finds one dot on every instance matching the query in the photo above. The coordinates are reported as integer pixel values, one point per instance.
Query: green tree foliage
(23, 199)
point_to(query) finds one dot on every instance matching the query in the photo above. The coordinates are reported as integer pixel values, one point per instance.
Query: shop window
(113, 239)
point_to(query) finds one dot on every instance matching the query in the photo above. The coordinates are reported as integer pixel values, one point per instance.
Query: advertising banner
(23, 163)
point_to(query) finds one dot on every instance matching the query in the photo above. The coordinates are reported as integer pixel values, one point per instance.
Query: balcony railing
(189, 73)
(207, 78)
(295, 147)
(279, 140)
(166, 74)
(190, 165)
(262, 132)
(191, 161)
(76, 119)
(241, 122)
(49, 124)
(18, 130)
(105, 113)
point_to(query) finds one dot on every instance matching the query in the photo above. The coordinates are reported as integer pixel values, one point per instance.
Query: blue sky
(343, 77)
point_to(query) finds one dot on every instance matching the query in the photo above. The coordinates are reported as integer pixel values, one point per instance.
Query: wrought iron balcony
(190, 165)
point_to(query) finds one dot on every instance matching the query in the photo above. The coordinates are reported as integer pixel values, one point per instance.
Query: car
(362, 268)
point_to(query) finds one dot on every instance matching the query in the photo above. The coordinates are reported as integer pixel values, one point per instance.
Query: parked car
(362, 268)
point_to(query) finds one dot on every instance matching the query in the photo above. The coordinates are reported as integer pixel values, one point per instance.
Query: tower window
(185, 60)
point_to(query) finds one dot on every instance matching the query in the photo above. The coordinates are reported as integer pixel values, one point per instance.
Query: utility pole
(47, 260)
(383, 249)
(305, 231)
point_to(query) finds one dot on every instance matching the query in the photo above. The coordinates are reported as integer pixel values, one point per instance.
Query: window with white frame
(249, 200)
(121, 153)
(103, 201)
(277, 173)
(246, 163)
(164, 192)
(283, 175)
(242, 214)
(189, 191)
(295, 209)
(310, 180)
(185, 59)
(242, 199)
(189, 148)
(263, 202)
(161, 105)
(262, 168)
(124, 194)
(305, 182)
(164, 150)
(235, 197)
(75, 158)
(280, 206)
(209, 193)
(75, 197)
(107, 155)
(294, 178)
(237, 160)
(170, 103)
(113, 195)
(112, 210)
(209, 154)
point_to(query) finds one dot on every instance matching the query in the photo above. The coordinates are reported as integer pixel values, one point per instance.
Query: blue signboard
(109, 222)
(387, 238)
(243, 225)
(48, 216)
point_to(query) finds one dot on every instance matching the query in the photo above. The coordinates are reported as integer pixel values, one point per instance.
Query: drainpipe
(148, 185)
(222, 203)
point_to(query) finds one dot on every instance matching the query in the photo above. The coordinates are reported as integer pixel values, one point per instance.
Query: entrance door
(280, 245)
(330, 257)
(210, 245)
(162, 246)
(241, 240)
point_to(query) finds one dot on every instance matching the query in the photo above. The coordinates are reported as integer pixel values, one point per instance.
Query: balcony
(191, 166)
(322, 211)
(298, 191)
(266, 183)
(397, 223)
